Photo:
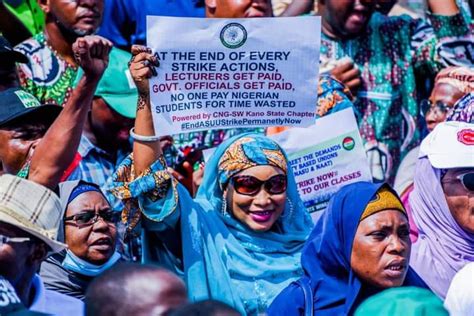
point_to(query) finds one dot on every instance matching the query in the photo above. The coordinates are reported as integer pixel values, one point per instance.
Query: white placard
(325, 157)
(229, 73)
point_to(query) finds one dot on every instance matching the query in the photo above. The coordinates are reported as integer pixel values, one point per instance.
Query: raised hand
(55, 152)
(142, 67)
(92, 54)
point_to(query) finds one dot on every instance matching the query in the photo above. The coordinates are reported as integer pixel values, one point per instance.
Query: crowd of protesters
(98, 216)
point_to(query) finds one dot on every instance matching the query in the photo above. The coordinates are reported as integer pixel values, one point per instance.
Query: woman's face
(381, 249)
(93, 243)
(445, 94)
(460, 200)
(260, 211)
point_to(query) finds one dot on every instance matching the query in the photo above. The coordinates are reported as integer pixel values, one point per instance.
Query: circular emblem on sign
(233, 35)
(348, 143)
(466, 136)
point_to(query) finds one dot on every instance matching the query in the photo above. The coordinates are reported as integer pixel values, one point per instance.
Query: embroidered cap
(384, 199)
(450, 145)
(32, 208)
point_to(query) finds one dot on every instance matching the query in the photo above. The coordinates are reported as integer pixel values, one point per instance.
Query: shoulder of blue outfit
(55, 303)
(177, 8)
(117, 17)
(413, 279)
(290, 301)
(61, 304)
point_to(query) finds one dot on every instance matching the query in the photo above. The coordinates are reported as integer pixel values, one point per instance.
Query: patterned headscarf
(248, 152)
(463, 110)
(462, 78)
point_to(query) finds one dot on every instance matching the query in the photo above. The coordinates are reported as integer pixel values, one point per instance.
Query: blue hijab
(222, 258)
(227, 261)
(326, 258)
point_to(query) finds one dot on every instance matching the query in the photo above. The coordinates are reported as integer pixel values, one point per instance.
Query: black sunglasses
(248, 185)
(91, 217)
(467, 180)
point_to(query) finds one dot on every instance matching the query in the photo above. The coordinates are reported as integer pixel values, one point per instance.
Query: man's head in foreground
(29, 220)
(135, 289)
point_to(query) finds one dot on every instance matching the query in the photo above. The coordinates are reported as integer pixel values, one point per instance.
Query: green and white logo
(348, 143)
(27, 99)
(233, 35)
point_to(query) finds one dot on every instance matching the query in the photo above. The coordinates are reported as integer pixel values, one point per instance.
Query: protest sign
(229, 73)
(325, 157)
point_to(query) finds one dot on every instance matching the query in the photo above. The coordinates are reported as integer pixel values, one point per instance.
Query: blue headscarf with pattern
(222, 258)
(247, 152)
(248, 268)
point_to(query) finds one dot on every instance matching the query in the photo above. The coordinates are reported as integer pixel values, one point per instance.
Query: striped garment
(97, 166)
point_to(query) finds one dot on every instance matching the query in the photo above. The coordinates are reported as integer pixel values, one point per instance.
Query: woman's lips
(261, 216)
(431, 125)
(396, 268)
(102, 243)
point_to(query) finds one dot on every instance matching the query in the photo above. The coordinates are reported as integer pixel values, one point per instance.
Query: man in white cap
(29, 219)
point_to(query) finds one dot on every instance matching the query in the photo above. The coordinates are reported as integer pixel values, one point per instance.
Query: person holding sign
(239, 241)
(188, 146)
(359, 247)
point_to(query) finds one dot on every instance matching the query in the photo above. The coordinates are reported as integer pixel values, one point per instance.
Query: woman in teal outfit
(240, 240)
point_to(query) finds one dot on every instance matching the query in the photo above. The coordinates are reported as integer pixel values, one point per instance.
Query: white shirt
(460, 298)
(55, 303)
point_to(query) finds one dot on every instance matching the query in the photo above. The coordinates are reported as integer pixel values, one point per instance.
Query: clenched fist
(92, 54)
